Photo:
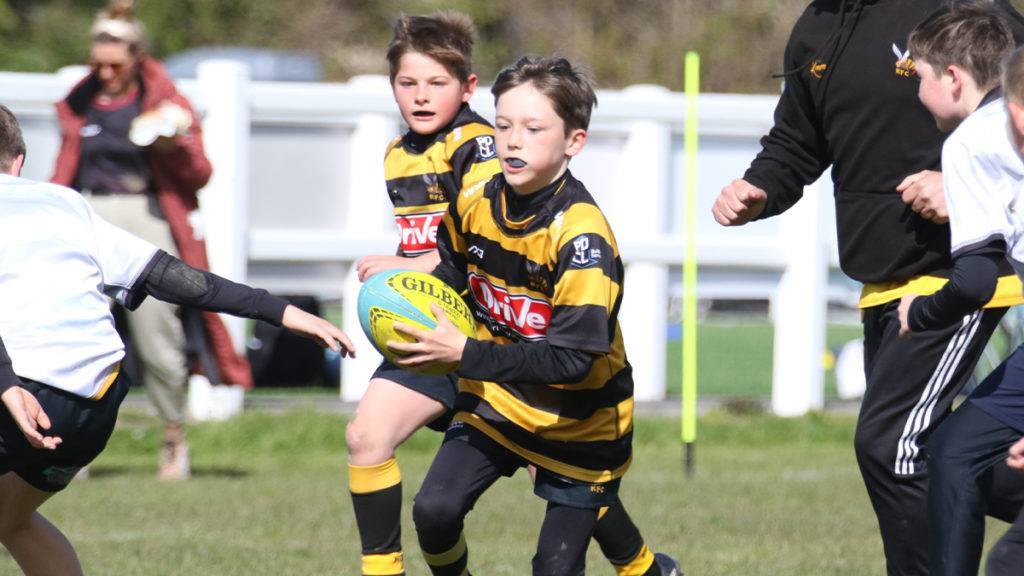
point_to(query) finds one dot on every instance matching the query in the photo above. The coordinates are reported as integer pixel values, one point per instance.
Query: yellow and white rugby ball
(405, 296)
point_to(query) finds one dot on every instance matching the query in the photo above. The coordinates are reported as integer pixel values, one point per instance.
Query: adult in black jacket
(850, 102)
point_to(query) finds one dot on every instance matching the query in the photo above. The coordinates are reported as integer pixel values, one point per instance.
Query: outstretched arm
(171, 280)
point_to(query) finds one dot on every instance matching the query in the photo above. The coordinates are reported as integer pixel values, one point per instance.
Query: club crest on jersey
(419, 231)
(485, 147)
(584, 256)
(511, 314)
(904, 63)
(434, 191)
(818, 68)
(537, 277)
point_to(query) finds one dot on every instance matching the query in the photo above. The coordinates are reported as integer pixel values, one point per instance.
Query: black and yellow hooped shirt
(555, 274)
(423, 173)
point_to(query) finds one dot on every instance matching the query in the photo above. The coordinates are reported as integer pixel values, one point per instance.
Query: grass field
(771, 496)
(734, 358)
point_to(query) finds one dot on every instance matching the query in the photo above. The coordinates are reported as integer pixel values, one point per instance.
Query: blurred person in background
(133, 146)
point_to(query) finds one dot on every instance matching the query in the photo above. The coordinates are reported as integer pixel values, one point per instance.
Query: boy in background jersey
(546, 383)
(60, 356)
(957, 52)
(448, 149)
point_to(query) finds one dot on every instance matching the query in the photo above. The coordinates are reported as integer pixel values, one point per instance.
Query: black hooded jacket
(850, 101)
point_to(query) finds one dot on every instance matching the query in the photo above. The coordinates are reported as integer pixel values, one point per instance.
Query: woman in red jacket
(133, 145)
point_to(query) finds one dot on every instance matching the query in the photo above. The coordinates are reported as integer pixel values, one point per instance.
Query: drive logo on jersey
(584, 256)
(485, 147)
(419, 231)
(518, 313)
(904, 63)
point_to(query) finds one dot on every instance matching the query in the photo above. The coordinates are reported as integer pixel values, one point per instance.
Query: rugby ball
(405, 296)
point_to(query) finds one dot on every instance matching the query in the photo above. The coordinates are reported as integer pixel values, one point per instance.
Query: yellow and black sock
(622, 544)
(377, 502)
(451, 562)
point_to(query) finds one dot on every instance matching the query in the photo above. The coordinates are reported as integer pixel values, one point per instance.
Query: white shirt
(983, 176)
(58, 263)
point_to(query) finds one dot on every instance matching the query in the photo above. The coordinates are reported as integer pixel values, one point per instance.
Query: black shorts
(84, 425)
(440, 388)
(548, 485)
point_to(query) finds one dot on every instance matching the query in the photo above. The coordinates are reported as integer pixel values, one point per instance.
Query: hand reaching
(317, 329)
(370, 265)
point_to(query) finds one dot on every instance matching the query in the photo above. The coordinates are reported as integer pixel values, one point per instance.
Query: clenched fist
(739, 203)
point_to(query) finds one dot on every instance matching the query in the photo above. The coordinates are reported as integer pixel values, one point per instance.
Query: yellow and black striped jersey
(554, 275)
(423, 173)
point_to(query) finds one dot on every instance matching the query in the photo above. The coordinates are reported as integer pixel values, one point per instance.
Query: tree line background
(621, 43)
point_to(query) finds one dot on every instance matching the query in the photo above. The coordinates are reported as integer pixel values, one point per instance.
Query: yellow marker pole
(689, 363)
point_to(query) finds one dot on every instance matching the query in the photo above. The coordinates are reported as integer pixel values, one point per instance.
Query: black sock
(622, 544)
(377, 502)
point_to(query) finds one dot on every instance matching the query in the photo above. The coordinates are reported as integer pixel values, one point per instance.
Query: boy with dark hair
(447, 150)
(546, 383)
(61, 354)
(957, 52)
(448, 147)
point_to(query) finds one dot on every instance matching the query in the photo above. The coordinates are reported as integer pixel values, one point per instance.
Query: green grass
(735, 358)
(770, 496)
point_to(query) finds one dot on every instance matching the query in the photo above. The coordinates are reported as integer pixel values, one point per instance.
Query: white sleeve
(122, 258)
(978, 189)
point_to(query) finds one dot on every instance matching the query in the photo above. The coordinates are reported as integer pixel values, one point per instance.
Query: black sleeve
(972, 284)
(171, 280)
(794, 153)
(523, 362)
(452, 268)
(8, 378)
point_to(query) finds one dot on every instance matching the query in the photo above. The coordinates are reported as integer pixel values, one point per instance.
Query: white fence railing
(297, 197)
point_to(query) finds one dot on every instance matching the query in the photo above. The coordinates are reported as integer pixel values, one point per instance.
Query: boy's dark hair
(570, 91)
(969, 35)
(1013, 77)
(444, 36)
(12, 144)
